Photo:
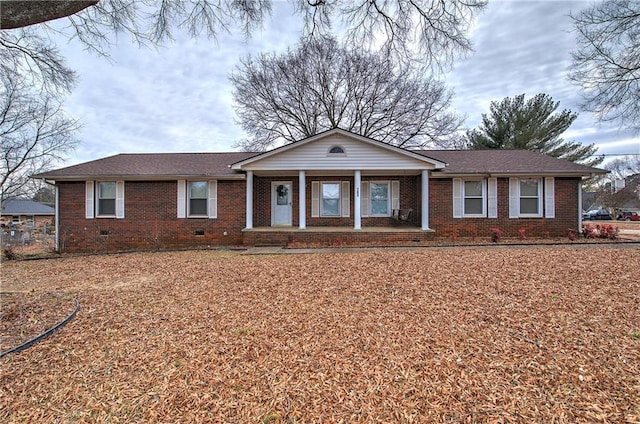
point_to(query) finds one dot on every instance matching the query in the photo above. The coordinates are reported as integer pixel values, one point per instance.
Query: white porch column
(357, 182)
(57, 216)
(302, 200)
(425, 200)
(249, 202)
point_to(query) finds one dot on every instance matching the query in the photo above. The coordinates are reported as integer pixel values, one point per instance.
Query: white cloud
(178, 97)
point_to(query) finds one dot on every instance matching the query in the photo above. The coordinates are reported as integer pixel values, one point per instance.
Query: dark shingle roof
(218, 165)
(26, 207)
(153, 165)
(505, 162)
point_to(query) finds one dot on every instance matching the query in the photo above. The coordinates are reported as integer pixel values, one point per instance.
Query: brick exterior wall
(441, 213)
(150, 219)
(409, 190)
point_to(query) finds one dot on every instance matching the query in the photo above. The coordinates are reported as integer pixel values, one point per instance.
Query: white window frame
(184, 197)
(333, 146)
(539, 197)
(483, 197)
(339, 199)
(389, 197)
(99, 213)
(205, 198)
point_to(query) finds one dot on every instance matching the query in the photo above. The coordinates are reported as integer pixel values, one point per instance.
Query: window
(197, 199)
(530, 197)
(336, 150)
(198, 195)
(473, 195)
(475, 198)
(330, 204)
(106, 198)
(379, 198)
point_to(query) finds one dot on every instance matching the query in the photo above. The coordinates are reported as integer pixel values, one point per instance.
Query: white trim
(514, 198)
(249, 201)
(457, 197)
(274, 199)
(321, 198)
(97, 199)
(389, 199)
(182, 198)
(213, 199)
(357, 204)
(427, 160)
(302, 200)
(333, 146)
(315, 199)
(345, 199)
(549, 198)
(395, 195)
(364, 206)
(492, 197)
(120, 199)
(539, 197)
(89, 201)
(483, 198)
(57, 217)
(425, 200)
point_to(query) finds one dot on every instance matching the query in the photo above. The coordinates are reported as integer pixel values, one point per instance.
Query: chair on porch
(402, 215)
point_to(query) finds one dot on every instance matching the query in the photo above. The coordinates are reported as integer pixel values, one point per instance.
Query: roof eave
(138, 177)
(446, 174)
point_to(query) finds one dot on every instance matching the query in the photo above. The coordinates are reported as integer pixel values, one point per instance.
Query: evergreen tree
(534, 124)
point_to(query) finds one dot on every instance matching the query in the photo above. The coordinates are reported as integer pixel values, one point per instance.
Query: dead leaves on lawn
(439, 335)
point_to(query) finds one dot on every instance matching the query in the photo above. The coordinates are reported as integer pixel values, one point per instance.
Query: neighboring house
(27, 212)
(352, 186)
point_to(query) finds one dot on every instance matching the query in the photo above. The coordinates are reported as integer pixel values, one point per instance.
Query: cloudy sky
(177, 98)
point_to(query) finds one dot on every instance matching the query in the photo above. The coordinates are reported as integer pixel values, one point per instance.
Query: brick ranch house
(335, 187)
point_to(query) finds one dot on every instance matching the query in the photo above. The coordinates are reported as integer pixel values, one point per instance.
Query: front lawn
(505, 334)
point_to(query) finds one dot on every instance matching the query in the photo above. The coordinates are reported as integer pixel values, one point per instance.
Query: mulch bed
(506, 334)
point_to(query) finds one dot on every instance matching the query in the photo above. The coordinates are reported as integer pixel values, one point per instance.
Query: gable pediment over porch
(336, 152)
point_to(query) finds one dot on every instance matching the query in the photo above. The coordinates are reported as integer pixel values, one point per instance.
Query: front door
(281, 203)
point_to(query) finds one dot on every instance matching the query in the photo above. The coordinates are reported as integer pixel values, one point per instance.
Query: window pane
(107, 190)
(198, 189)
(379, 191)
(473, 206)
(529, 188)
(330, 191)
(529, 206)
(197, 206)
(379, 198)
(106, 206)
(330, 207)
(379, 207)
(473, 188)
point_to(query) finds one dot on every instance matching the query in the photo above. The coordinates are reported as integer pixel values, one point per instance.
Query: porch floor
(331, 236)
(291, 229)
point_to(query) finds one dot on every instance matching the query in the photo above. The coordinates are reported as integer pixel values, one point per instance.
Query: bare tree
(321, 85)
(430, 32)
(606, 62)
(34, 133)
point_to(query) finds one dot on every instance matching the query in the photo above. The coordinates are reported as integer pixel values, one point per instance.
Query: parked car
(599, 214)
(629, 216)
